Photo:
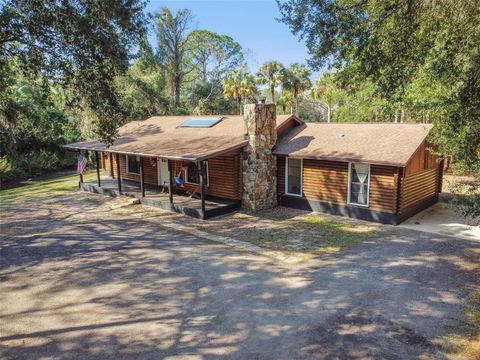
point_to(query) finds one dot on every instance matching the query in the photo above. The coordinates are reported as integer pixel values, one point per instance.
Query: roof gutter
(325, 158)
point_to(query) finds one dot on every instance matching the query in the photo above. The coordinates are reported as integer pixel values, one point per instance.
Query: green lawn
(54, 184)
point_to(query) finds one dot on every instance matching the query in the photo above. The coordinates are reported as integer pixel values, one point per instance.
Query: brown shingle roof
(161, 136)
(387, 143)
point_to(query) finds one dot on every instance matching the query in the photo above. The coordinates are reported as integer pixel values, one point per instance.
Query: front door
(163, 174)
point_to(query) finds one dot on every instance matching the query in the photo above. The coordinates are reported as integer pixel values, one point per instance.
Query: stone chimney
(259, 164)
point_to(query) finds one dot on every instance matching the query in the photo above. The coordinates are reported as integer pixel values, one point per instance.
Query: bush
(35, 163)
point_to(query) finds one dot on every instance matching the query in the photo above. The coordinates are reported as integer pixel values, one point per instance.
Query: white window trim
(301, 178)
(206, 177)
(368, 184)
(128, 172)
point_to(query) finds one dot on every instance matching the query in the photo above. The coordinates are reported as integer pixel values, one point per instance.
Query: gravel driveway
(79, 280)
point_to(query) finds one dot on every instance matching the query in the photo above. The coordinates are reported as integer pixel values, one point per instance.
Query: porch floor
(154, 197)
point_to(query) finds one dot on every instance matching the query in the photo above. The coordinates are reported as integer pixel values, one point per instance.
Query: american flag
(81, 163)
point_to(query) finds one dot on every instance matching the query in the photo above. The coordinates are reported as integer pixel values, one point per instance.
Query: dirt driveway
(80, 280)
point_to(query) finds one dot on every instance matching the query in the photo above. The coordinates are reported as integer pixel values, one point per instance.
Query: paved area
(80, 280)
(442, 219)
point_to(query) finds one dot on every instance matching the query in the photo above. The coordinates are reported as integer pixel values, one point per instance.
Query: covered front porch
(155, 197)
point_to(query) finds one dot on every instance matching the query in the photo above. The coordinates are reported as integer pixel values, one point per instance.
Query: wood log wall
(328, 181)
(149, 163)
(224, 177)
(417, 188)
(421, 160)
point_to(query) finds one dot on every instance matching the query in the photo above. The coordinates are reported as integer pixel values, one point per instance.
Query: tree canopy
(418, 54)
(83, 44)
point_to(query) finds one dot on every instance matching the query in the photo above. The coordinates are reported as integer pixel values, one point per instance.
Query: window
(192, 175)
(359, 184)
(203, 123)
(293, 169)
(133, 164)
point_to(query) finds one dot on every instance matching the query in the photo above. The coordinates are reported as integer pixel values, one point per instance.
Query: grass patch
(295, 232)
(468, 345)
(53, 184)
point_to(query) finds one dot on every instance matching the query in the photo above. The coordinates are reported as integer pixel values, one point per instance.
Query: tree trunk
(295, 101)
(272, 90)
(397, 115)
(177, 91)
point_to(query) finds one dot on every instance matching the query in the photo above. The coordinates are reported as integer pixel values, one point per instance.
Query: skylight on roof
(201, 123)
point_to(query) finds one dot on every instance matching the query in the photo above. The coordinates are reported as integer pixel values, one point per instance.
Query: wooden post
(142, 178)
(98, 167)
(110, 156)
(202, 187)
(119, 180)
(80, 175)
(170, 181)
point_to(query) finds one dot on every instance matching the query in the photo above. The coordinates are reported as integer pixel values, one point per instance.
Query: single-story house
(206, 166)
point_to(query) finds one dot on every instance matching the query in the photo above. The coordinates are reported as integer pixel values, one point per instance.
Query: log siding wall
(224, 177)
(150, 170)
(328, 181)
(418, 188)
(224, 174)
(421, 160)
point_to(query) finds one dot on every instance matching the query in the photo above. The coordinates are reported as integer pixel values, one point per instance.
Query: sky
(252, 23)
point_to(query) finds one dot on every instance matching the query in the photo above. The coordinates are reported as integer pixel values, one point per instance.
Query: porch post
(80, 174)
(110, 157)
(170, 181)
(98, 167)
(142, 178)
(202, 186)
(119, 181)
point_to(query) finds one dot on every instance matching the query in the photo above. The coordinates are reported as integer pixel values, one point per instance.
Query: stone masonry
(259, 164)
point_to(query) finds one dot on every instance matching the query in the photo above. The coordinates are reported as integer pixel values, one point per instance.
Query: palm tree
(270, 73)
(239, 85)
(286, 100)
(296, 79)
(325, 92)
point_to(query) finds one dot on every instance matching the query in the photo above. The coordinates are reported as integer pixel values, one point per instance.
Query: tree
(83, 44)
(142, 88)
(38, 122)
(325, 91)
(395, 44)
(286, 100)
(172, 37)
(239, 85)
(212, 57)
(355, 103)
(270, 73)
(296, 78)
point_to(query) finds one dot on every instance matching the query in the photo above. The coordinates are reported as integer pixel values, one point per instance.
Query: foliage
(285, 101)
(142, 89)
(423, 54)
(37, 123)
(239, 85)
(467, 198)
(296, 79)
(84, 44)
(172, 38)
(357, 103)
(271, 73)
(212, 56)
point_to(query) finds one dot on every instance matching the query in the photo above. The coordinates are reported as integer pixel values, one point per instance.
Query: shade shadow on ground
(79, 281)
